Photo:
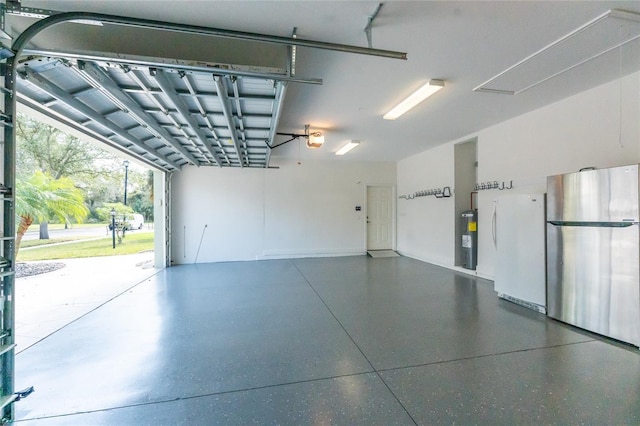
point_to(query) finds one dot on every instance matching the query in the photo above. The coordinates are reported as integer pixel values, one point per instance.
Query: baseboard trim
(310, 253)
(446, 265)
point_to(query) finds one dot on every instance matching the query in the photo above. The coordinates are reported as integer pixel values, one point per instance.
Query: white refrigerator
(518, 230)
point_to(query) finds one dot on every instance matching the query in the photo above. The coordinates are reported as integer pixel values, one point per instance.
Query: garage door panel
(167, 116)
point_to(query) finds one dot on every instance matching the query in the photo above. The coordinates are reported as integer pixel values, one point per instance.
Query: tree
(142, 200)
(43, 147)
(98, 190)
(104, 212)
(42, 197)
(97, 172)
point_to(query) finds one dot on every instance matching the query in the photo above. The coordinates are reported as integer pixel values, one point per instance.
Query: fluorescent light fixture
(414, 99)
(348, 147)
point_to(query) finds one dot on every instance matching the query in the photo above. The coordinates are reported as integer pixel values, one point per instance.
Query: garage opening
(85, 228)
(158, 114)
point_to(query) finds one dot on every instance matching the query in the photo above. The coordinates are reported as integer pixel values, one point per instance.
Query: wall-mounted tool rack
(493, 185)
(444, 192)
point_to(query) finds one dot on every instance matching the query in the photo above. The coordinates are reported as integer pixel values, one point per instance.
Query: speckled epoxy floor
(350, 340)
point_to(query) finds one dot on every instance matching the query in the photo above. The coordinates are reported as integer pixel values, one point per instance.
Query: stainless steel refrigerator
(593, 251)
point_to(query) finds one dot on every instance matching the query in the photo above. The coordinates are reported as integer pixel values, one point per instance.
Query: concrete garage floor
(47, 302)
(351, 340)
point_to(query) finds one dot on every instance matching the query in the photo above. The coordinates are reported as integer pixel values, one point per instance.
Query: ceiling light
(414, 99)
(315, 140)
(348, 147)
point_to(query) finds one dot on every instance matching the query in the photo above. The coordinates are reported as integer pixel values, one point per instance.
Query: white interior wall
(310, 209)
(599, 127)
(216, 214)
(294, 211)
(426, 224)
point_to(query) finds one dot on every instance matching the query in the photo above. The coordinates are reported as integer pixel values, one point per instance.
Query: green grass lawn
(131, 244)
(36, 243)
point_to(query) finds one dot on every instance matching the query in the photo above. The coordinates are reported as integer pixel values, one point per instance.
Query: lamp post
(113, 227)
(126, 177)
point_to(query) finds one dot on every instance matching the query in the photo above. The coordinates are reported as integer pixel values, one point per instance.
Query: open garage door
(164, 112)
(166, 116)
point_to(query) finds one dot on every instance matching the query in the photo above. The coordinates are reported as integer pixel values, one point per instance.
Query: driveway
(47, 302)
(98, 231)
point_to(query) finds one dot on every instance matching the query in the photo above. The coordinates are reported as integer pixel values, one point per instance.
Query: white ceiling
(463, 43)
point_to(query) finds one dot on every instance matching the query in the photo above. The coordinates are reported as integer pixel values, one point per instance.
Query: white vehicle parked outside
(135, 221)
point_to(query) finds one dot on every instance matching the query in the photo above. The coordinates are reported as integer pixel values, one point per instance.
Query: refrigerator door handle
(593, 224)
(494, 218)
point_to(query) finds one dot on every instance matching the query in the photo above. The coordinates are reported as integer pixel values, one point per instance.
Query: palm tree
(41, 197)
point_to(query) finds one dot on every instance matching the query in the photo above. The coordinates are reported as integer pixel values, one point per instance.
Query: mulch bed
(28, 269)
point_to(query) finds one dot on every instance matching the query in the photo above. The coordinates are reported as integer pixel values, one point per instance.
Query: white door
(379, 218)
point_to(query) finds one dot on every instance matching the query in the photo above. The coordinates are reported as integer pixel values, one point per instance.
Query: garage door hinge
(6, 120)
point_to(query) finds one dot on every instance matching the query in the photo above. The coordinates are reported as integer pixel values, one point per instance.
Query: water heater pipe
(471, 198)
